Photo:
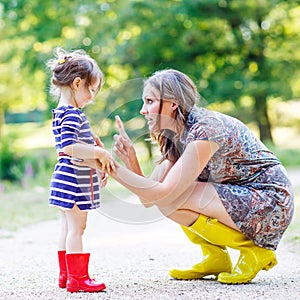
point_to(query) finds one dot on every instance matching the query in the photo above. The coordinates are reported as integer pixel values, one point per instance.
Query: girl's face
(85, 93)
(151, 107)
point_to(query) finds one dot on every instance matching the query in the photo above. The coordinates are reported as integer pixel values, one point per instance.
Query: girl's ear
(76, 82)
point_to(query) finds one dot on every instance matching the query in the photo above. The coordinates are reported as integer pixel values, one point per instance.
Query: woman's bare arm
(179, 178)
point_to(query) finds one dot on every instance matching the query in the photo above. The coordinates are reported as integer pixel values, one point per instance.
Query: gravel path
(133, 261)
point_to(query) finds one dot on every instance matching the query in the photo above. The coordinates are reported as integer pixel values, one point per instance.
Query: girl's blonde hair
(175, 86)
(66, 66)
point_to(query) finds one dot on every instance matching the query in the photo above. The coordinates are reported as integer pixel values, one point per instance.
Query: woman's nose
(143, 110)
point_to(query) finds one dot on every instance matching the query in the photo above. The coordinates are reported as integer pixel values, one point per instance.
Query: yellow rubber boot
(215, 260)
(252, 257)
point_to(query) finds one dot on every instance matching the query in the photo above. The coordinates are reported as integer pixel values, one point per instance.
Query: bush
(10, 161)
(18, 167)
(289, 157)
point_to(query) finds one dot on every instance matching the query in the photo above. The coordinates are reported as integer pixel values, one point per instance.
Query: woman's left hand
(103, 178)
(94, 164)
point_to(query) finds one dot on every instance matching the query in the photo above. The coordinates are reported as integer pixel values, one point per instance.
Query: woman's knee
(181, 216)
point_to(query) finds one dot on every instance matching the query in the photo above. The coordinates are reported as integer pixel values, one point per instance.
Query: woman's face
(151, 107)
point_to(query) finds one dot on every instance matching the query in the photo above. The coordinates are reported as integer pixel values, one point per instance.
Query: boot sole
(267, 267)
(85, 289)
(62, 282)
(270, 265)
(192, 277)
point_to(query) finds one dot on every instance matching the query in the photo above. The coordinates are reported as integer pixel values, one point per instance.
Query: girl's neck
(67, 98)
(63, 102)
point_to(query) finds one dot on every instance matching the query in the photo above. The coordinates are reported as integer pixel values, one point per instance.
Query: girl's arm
(87, 151)
(179, 178)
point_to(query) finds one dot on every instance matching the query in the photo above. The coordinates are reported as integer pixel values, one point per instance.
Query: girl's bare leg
(63, 231)
(76, 220)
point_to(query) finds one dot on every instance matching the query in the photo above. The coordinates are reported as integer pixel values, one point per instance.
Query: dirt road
(133, 261)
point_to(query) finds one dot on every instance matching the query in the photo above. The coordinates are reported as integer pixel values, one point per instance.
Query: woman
(215, 178)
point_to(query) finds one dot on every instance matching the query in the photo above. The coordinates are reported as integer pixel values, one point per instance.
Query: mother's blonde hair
(175, 86)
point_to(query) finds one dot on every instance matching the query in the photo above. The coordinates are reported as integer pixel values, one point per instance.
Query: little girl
(76, 79)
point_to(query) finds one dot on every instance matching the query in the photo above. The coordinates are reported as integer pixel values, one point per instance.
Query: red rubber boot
(62, 279)
(78, 276)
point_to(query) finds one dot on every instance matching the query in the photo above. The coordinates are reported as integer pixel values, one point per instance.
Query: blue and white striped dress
(72, 184)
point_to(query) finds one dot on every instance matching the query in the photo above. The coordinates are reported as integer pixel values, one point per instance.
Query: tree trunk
(1, 121)
(262, 119)
(149, 148)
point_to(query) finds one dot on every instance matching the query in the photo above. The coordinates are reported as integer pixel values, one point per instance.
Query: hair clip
(62, 61)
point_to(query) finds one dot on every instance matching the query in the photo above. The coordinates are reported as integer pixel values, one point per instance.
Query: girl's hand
(98, 140)
(96, 164)
(107, 161)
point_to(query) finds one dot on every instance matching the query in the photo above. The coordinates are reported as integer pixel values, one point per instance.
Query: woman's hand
(93, 164)
(103, 178)
(123, 144)
(124, 149)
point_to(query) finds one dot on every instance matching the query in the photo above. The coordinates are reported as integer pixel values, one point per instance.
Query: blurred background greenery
(244, 57)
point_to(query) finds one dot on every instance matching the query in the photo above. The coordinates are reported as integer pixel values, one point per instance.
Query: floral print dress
(251, 182)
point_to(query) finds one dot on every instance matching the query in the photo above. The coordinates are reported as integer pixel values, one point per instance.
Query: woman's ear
(174, 106)
(76, 82)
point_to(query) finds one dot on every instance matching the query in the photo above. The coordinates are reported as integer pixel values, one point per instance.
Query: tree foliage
(234, 50)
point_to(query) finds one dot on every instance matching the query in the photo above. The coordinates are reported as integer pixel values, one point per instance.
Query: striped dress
(72, 184)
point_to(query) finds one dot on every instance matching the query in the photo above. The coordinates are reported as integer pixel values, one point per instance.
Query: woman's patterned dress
(251, 182)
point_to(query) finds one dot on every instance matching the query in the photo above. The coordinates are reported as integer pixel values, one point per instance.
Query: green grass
(21, 207)
(28, 204)
(292, 235)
